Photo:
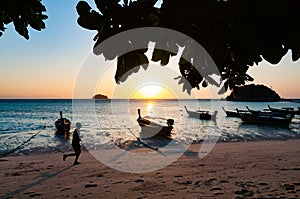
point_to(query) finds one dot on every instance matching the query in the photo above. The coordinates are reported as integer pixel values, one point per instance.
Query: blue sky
(50, 57)
(46, 65)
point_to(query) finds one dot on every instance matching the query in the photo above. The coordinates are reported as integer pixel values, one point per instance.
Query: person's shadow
(44, 177)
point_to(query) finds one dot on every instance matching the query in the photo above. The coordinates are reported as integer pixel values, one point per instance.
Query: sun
(150, 91)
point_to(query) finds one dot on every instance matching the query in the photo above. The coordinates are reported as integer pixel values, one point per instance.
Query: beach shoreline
(231, 170)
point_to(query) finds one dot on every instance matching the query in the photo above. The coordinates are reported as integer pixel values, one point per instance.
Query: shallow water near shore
(113, 122)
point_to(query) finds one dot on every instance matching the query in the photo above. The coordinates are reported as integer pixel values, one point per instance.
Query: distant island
(253, 93)
(100, 96)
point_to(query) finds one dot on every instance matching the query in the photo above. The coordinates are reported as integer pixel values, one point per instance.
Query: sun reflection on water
(149, 108)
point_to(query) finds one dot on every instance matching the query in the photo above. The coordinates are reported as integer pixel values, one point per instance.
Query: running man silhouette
(75, 144)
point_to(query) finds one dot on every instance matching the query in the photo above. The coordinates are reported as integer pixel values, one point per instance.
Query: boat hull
(202, 115)
(233, 113)
(266, 120)
(151, 129)
(63, 125)
(285, 110)
(269, 113)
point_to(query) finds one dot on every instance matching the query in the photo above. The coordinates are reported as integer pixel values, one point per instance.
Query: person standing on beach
(75, 144)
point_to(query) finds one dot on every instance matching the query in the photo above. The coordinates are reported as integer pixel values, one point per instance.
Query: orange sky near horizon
(283, 79)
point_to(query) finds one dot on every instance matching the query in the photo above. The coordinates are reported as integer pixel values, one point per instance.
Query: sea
(27, 125)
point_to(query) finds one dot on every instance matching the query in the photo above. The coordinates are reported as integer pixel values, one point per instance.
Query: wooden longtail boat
(152, 129)
(267, 112)
(285, 110)
(62, 125)
(202, 115)
(253, 118)
(233, 113)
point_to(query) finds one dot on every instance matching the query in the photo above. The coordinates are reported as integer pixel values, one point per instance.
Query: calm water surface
(106, 123)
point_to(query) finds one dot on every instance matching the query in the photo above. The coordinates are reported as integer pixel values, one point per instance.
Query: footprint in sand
(90, 185)
(245, 193)
(32, 194)
(65, 189)
(288, 187)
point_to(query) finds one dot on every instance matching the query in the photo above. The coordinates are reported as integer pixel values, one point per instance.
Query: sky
(50, 63)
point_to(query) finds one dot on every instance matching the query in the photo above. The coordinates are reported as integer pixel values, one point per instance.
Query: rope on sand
(15, 149)
(140, 141)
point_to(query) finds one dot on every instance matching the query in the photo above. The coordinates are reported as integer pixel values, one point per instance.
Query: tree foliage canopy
(22, 13)
(236, 33)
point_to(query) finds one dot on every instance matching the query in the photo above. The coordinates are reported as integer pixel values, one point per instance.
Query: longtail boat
(62, 125)
(201, 114)
(233, 113)
(152, 129)
(253, 118)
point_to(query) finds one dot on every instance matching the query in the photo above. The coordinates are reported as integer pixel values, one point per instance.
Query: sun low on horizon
(152, 91)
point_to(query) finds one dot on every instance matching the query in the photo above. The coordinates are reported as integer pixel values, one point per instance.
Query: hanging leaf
(295, 54)
(130, 63)
(249, 78)
(204, 84)
(21, 27)
(223, 89)
(89, 18)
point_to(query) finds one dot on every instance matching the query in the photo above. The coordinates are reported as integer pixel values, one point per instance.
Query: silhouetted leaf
(21, 27)
(22, 13)
(249, 78)
(89, 18)
(223, 89)
(82, 8)
(295, 54)
(130, 63)
(36, 23)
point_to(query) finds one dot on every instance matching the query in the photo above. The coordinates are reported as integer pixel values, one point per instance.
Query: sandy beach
(261, 169)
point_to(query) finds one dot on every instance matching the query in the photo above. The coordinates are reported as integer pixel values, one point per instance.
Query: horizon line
(36, 98)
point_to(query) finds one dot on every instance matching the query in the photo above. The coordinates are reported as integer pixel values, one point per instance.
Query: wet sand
(261, 169)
